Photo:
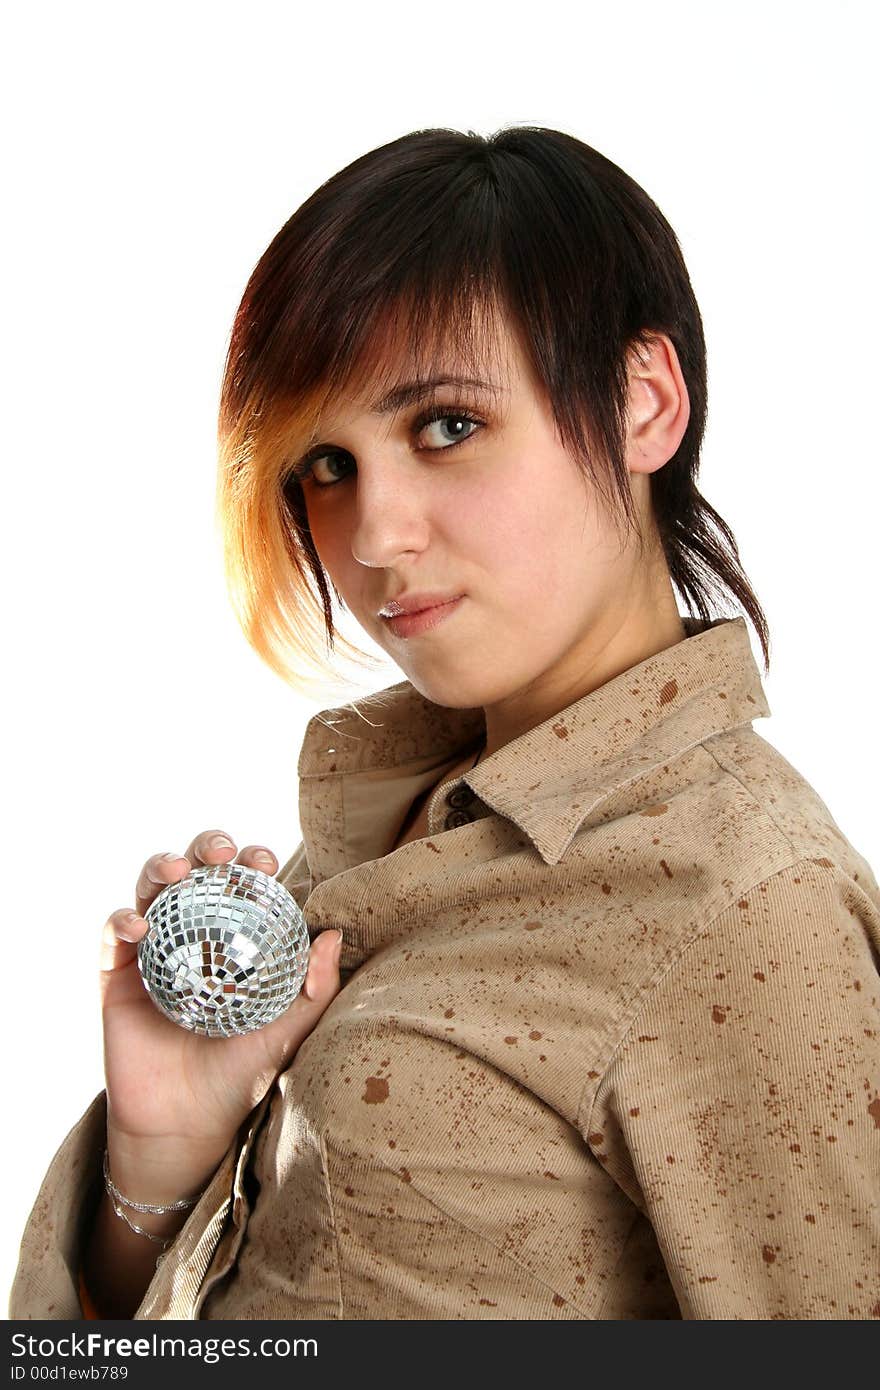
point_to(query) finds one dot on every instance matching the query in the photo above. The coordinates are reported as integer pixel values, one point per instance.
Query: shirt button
(456, 818)
(460, 796)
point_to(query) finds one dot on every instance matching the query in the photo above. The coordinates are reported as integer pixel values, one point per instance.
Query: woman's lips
(413, 624)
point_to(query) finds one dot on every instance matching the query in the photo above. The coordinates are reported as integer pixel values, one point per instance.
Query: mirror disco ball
(226, 950)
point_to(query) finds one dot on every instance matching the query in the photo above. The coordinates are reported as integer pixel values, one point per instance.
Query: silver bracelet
(182, 1205)
(139, 1230)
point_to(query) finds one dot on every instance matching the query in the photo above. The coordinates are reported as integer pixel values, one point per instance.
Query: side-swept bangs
(425, 246)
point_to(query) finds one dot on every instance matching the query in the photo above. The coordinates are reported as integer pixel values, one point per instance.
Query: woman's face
(483, 502)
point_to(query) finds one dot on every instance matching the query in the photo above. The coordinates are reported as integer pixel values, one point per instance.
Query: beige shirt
(607, 1045)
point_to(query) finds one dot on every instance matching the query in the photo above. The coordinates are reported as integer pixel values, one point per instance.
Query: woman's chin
(442, 693)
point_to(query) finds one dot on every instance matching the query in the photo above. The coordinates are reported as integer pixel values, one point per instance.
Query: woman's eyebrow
(412, 391)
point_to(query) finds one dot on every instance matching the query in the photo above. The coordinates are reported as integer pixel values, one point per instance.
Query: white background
(152, 152)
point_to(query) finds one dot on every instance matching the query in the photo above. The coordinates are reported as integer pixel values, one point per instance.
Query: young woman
(606, 1041)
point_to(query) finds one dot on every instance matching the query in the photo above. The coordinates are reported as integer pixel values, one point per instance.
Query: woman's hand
(175, 1099)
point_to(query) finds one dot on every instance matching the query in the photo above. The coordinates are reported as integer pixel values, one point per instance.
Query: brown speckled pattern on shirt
(607, 1050)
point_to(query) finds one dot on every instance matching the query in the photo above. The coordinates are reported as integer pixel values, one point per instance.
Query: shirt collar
(549, 779)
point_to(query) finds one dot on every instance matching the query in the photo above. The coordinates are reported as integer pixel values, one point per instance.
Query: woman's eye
(463, 428)
(327, 462)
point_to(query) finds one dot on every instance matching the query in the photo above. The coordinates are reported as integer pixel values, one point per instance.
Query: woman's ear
(658, 407)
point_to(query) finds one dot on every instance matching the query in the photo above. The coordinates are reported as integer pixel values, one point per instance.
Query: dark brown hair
(433, 236)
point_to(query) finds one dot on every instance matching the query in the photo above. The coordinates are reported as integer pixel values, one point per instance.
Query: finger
(119, 937)
(211, 847)
(259, 857)
(157, 873)
(120, 979)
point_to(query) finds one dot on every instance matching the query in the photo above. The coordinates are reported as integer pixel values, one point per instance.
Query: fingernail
(263, 856)
(219, 842)
(170, 857)
(337, 950)
(127, 922)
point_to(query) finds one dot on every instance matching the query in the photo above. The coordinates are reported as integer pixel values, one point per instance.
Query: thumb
(321, 983)
(282, 1038)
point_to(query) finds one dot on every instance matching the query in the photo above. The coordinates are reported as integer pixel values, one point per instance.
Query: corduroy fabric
(609, 1049)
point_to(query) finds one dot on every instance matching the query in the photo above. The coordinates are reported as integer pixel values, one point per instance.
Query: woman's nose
(391, 514)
